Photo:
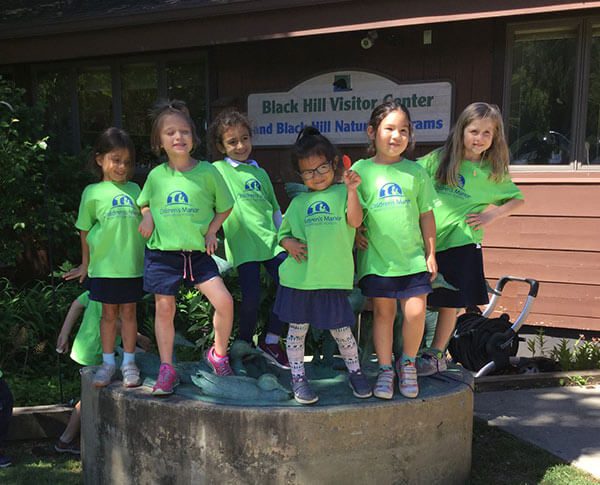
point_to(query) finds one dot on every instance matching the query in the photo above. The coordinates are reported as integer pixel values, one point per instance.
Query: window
(82, 99)
(94, 97)
(541, 97)
(592, 128)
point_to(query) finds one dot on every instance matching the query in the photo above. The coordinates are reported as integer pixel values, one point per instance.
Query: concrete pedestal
(130, 437)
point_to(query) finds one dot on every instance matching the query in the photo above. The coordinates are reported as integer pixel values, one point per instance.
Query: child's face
(236, 143)
(317, 172)
(477, 138)
(176, 136)
(115, 165)
(391, 138)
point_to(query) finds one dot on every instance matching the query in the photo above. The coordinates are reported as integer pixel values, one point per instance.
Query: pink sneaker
(220, 365)
(275, 354)
(166, 381)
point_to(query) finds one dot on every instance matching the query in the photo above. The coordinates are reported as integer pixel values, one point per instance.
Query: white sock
(108, 359)
(128, 358)
(271, 338)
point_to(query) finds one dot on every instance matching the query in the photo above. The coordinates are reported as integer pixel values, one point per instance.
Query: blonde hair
(169, 107)
(497, 156)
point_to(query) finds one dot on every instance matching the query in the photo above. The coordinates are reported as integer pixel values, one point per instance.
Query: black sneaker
(303, 393)
(360, 385)
(71, 447)
(5, 461)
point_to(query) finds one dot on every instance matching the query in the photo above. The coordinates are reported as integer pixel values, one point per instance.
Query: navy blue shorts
(398, 287)
(324, 309)
(115, 291)
(462, 267)
(164, 271)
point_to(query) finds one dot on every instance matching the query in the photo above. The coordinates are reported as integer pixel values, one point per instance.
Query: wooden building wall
(554, 238)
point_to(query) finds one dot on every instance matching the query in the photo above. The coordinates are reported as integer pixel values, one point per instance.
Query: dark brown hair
(169, 107)
(109, 140)
(309, 143)
(227, 118)
(379, 114)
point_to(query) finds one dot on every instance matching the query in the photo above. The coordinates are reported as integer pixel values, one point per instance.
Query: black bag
(478, 340)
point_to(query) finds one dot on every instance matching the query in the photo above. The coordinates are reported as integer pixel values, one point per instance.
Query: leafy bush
(40, 191)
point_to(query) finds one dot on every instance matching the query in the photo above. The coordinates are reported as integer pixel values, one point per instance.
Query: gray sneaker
(104, 375)
(131, 375)
(429, 364)
(384, 387)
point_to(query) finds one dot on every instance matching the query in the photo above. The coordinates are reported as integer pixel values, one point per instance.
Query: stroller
(482, 344)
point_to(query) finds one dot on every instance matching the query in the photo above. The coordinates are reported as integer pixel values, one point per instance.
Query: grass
(498, 458)
(36, 462)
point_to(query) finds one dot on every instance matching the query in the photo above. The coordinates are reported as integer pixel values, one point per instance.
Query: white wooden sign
(339, 105)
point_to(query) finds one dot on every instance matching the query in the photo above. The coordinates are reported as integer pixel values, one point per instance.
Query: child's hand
(147, 225)
(62, 343)
(360, 239)
(351, 179)
(432, 267)
(211, 242)
(79, 273)
(295, 248)
(477, 221)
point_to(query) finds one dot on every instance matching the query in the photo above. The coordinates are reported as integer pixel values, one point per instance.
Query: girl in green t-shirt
(471, 174)
(251, 228)
(399, 262)
(184, 203)
(318, 234)
(112, 250)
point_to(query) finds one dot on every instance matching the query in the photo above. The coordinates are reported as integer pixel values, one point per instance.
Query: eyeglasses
(321, 170)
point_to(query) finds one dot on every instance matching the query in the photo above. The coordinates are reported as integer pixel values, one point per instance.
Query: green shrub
(40, 191)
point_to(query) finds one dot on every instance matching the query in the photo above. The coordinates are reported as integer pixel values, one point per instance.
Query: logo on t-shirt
(318, 207)
(461, 181)
(456, 191)
(252, 184)
(178, 197)
(390, 195)
(122, 206)
(178, 204)
(319, 212)
(390, 189)
(122, 200)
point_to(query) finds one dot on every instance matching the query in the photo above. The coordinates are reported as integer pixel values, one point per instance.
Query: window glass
(187, 82)
(53, 90)
(541, 97)
(592, 130)
(94, 93)
(139, 87)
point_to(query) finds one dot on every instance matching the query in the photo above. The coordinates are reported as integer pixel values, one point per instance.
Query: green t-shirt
(110, 215)
(319, 220)
(393, 197)
(475, 192)
(183, 204)
(250, 234)
(87, 346)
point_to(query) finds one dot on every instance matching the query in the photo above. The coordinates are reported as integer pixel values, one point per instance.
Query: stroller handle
(533, 284)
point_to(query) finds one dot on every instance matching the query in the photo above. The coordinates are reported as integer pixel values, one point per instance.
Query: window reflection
(592, 130)
(94, 90)
(541, 99)
(53, 90)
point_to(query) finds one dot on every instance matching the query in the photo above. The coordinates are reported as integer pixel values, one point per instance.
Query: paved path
(564, 420)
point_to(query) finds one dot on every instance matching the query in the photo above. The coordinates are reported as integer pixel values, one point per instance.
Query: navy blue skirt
(116, 290)
(398, 287)
(462, 267)
(324, 309)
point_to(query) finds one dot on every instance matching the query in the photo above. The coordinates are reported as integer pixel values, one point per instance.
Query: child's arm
(294, 248)
(210, 240)
(427, 223)
(81, 271)
(147, 225)
(354, 214)
(75, 310)
(476, 221)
